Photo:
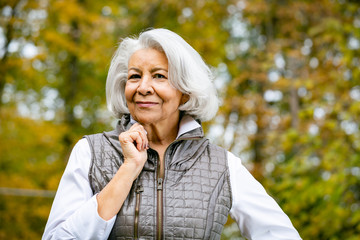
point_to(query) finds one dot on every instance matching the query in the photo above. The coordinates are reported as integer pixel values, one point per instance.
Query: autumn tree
(54, 60)
(292, 105)
(287, 73)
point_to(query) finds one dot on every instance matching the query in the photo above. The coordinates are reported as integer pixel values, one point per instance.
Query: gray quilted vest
(191, 202)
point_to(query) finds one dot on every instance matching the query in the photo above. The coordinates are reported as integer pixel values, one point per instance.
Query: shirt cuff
(86, 223)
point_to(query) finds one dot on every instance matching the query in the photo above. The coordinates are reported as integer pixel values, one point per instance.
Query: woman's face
(149, 96)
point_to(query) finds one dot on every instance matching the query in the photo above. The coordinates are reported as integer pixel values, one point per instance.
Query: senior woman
(156, 176)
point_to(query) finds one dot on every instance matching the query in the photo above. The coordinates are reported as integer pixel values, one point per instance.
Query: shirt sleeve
(257, 214)
(74, 212)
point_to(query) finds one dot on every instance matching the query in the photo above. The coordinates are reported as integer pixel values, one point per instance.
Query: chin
(145, 119)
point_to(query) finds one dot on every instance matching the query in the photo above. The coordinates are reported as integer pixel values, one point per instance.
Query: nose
(145, 85)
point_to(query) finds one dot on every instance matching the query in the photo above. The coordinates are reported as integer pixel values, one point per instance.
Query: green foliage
(288, 75)
(50, 98)
(296, 72)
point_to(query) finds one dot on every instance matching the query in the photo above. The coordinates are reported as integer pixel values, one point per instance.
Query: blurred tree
(54, 60)
(295, 95)
(287, 71)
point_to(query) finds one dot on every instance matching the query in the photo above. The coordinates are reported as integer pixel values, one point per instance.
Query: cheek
(129, 92)
(168, 93)
(174, 97)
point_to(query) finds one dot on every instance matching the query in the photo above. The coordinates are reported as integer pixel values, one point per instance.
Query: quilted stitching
(197, 196)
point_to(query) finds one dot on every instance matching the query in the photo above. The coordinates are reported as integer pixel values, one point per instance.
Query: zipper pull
(160, 184)
(139, 189)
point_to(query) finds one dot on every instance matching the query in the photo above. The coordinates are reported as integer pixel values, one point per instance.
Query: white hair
(187, 72)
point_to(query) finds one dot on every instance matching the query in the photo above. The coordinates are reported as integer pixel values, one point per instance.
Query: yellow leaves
(305, 114)
(355, 108)
(80, 30)
(37, 139)
(283, 83)
(30, 219)
(289, 139)
(309, 84)
(310, 179)
(60, 42)
(70, 10)
(331, 125)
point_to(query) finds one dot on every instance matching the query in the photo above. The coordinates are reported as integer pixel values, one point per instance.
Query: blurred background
(287, 73)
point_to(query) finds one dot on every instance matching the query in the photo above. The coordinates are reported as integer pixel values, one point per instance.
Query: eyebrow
(158, 68)
(152, 70)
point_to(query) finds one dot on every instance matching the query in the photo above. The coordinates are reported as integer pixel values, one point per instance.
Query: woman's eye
(134, 76)
(159, 76)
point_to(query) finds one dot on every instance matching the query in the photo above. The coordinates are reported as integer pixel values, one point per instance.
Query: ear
(184, 98)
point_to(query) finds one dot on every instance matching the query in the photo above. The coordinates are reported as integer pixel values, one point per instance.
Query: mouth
(145, 104)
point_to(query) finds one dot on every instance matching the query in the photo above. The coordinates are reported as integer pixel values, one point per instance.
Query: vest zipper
(139, 190)
(159, 189)
(159, 207)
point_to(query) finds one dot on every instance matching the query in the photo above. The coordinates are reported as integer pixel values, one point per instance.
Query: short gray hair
(187, 72)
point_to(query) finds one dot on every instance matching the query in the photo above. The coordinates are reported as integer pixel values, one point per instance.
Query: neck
(161, 134)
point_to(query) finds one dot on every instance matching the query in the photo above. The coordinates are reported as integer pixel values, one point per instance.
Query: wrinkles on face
(150, 97)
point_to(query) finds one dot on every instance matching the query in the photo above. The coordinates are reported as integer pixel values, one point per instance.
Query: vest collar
(184, 157)
(187, 126)
(189, 129)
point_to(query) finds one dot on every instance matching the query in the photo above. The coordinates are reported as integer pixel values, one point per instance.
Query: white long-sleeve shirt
(74, 211)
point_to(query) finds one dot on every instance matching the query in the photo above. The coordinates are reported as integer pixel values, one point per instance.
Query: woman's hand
(134, 144)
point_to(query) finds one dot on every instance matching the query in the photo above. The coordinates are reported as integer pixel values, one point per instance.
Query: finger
(136, 138)
(136, 135)
(139, 141)
(143, 134)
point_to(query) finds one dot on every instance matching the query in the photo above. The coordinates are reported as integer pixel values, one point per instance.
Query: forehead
(148, 57)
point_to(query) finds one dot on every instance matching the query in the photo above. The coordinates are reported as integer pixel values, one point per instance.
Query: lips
(145, 104)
